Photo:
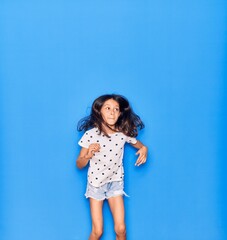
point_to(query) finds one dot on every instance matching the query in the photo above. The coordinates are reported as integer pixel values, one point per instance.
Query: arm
(86, 154)
(83, 158)
(142, 153)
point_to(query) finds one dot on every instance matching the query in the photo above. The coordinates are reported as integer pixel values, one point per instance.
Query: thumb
(138, 152)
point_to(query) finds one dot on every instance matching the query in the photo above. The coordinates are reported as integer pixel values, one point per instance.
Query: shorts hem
(112, 189)
(118, 193)
(88, 196)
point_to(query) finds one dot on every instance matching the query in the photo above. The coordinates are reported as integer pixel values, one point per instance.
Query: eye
(116, 109)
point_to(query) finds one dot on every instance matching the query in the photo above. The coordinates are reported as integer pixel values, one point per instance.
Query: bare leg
(97, 219)
(117, 208)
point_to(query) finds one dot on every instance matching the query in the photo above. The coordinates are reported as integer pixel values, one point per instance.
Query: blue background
(169, 59)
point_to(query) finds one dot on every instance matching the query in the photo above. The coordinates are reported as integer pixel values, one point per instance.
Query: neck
(109, 129)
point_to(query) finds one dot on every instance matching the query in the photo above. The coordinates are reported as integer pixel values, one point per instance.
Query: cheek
(118, 115)
(103, 116)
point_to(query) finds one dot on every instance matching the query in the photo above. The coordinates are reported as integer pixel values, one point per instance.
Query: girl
(110, 125)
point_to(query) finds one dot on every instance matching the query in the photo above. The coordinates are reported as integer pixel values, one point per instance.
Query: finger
(137, 162)
(94, 146)
(140, 161)
(139, 158)
(97, 146)
(138, 152)
(91, 150)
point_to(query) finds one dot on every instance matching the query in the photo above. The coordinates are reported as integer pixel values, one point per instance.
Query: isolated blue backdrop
(168, 59)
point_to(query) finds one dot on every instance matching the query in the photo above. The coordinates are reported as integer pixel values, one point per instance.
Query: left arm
(142, 152)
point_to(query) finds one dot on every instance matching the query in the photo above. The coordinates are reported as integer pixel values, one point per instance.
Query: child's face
(110, 112)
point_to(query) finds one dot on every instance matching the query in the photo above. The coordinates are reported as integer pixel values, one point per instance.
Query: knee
(120, 230)
(97, 232)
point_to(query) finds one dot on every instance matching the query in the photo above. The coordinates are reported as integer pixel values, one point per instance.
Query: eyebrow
(107, 104)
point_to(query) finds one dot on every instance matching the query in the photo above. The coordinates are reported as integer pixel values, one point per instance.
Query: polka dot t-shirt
(106, 165)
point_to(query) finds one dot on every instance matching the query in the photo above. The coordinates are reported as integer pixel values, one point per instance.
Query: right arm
(86, 154)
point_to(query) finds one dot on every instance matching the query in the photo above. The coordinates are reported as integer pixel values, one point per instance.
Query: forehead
(111, 102)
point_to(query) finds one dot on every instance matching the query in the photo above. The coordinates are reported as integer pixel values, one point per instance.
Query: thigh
(117, 208)
(96, 213)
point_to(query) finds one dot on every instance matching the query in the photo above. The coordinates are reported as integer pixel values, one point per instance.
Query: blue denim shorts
(108, 190)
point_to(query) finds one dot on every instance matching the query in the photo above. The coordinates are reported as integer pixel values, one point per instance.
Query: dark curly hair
(127, 123)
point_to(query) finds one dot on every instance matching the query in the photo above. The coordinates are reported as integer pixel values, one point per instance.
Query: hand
(142, 156)
(94, 147)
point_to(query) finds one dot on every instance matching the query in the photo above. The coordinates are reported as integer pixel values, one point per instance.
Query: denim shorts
(108, 190)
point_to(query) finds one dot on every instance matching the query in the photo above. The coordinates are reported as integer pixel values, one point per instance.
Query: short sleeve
(131, 140)
(85, 140)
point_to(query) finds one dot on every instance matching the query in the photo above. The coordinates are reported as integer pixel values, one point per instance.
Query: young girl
(110, 125)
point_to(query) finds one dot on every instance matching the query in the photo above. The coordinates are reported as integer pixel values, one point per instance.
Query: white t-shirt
(106, 165)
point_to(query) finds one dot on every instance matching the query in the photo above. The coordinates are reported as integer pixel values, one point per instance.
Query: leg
(97, 219)
(117, 208)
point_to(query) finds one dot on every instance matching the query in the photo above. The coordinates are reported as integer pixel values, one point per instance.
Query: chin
(111, 124)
